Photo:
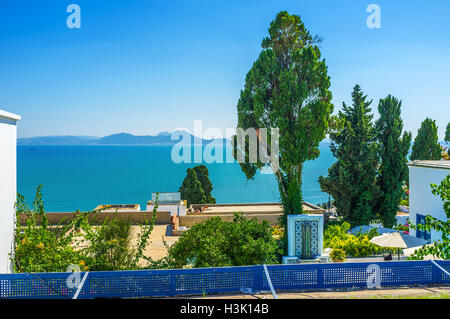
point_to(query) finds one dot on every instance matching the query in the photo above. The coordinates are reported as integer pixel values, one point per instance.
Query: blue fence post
(436, 274)
(173, 283)
(256, 278)
(320, 276)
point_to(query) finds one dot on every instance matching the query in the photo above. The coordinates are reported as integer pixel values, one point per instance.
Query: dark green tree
(393, 152)
(203, 176)
(447, 133)
(426, 146)
(191, 190)
(351, 179)
(286, 88)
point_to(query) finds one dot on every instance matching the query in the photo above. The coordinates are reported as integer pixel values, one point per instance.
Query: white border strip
(439, 266)
(80, 286)
(270, 282)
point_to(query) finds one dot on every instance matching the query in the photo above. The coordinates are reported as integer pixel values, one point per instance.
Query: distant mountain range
(163, 138)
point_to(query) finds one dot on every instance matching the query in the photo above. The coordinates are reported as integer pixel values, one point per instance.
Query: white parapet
(178, 209)
(8, 185)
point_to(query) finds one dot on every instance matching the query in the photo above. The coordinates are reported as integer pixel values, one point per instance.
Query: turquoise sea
(84, 176)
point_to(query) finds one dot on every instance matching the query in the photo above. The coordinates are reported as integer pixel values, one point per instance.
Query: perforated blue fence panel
(439, 277)
(316, 276)
(159, 283)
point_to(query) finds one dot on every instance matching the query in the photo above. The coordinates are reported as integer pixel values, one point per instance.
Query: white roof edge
(431, 164)
(10, 116)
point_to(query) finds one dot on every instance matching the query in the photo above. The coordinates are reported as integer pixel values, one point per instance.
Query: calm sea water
(82, 177)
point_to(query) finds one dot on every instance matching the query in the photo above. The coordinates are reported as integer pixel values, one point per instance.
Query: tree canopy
(394, 148)
(196, 187)
(191, 190)
(207, 186)
(426, 146)
(351, 179)
(286, 88)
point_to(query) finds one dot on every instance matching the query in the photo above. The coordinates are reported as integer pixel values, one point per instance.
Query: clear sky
(147, 66)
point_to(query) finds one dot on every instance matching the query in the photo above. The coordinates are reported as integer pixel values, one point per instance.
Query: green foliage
(426, 146)
(43, 248)
(393, 152)
(207, 186)
(197, 187)
(217, 243)
(441, 248)
(191, 190)
(351, 179)
(337, 255)
(405, 196)
(403, 228)
(39, 247)
(337, 237)
(447, 133)
(109, 245)
(286, 88)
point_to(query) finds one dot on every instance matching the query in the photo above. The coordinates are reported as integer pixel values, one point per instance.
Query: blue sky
(149, 66)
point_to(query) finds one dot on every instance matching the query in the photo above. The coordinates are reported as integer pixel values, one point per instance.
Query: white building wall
(175, 210)
(421, 199)
(8, 186)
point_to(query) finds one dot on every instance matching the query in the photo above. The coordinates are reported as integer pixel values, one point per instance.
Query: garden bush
(217, 243)
(39, 247)
(337, 237)
(337, 255)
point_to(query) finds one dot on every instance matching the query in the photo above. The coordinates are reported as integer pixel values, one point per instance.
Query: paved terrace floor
(155, 249)
(400, 293)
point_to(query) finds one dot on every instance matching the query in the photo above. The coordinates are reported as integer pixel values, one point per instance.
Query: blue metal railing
(160, 283)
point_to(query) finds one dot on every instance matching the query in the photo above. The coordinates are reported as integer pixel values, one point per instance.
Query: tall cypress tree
(393, 152)
(286, 88)
(426, 146)
(351, 179)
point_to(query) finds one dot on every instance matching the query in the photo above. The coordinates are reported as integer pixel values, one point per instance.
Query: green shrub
(40, 247)
(217, 243)
(337, 237)
(109, 245)
(337, 255)
(43, 248)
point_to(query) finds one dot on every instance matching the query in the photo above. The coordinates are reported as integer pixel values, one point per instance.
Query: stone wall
(136, 217)
(192, 219)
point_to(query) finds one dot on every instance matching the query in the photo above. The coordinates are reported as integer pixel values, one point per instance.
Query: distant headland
(163, 138)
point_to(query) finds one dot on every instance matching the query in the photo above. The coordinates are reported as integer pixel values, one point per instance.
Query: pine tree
(426, 146)
(203, 176)
(351, 179)
(191, 190)
(393, 153)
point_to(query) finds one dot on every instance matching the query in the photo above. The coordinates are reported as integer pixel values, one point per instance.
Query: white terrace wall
(421, 199)
(8, 185)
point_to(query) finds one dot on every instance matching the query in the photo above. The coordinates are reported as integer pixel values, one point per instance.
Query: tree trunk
(290, 186)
